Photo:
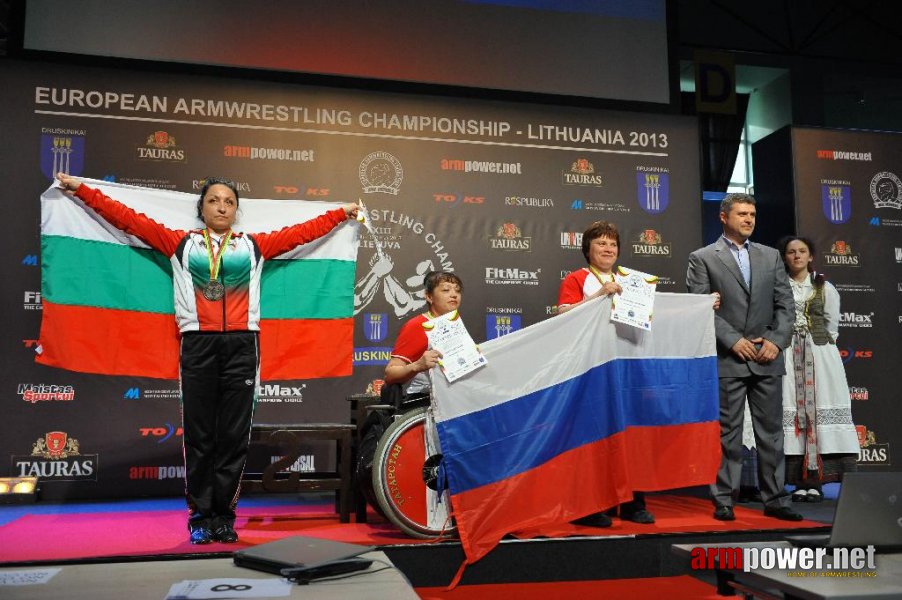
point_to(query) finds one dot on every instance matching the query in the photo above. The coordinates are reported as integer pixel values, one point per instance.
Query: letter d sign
(715, 83)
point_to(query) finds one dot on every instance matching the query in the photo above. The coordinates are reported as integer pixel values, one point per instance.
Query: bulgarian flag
(108, 297)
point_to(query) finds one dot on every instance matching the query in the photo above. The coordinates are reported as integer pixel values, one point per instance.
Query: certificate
(635, 305)
(460, 354)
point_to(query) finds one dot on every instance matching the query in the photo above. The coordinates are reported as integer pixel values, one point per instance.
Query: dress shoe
(784, 513)
(201, 535)
(640, 516)
(598, 519)
(225, 533)
(724, 513)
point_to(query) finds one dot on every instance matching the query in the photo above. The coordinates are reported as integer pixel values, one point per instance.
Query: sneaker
(814, 496)
(225, 534)
(800, 496)
(201, 535)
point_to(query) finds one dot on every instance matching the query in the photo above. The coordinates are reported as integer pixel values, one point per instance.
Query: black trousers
(219, 378)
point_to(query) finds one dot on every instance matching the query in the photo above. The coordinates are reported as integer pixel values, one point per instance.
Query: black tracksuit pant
(219, 378)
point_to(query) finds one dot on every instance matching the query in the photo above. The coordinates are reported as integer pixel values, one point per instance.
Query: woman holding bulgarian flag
(216, 275)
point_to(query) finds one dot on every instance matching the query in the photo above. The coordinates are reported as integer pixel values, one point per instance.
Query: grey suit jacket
(766, 310)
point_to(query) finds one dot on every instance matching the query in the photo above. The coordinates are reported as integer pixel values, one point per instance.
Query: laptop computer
(297, 553)
(868, 513)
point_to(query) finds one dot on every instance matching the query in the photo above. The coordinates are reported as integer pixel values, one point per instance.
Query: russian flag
(573, 414)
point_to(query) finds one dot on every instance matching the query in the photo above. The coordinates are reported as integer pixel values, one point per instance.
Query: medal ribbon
(600, 276)
(216, 259)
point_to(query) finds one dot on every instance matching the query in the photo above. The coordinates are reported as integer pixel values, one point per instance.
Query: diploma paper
(460, 354)
(635, 305)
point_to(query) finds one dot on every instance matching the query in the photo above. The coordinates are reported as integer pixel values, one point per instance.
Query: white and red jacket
(242, 262)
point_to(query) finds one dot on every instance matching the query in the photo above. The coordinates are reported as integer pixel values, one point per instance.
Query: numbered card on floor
(204, 589)
(460, 354)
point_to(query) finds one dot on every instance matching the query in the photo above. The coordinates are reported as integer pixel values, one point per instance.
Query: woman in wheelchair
(393, 475)
(410, 359)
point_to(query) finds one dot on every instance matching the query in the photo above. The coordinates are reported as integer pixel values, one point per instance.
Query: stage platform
(117, 533)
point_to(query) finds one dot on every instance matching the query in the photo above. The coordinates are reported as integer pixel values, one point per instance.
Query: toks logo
(163, 433)
(455, 199)
(315, 192)
(850, 353)
(56, 457)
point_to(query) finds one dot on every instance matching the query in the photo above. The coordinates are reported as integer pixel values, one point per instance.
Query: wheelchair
(399, 465)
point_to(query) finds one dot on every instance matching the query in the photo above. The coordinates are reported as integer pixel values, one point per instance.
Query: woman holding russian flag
(601, 248)
(216, 275)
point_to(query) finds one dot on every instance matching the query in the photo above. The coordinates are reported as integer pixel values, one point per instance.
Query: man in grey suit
(753, 325)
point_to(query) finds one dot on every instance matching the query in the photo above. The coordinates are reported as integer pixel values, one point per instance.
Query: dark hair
(433, 278)
(726, 205)
(600, 229)
(210, 182)
(816, 278)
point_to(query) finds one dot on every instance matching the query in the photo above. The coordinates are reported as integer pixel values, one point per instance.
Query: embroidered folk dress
(833, 441)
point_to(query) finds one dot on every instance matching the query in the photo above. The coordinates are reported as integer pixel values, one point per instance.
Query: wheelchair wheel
(404, 470)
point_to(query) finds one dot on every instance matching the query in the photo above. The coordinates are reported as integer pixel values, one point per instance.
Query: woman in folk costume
(820, 439)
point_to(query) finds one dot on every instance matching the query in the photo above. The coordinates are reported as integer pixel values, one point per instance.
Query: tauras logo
(853, 319)
(56, 456)
(650, 243)
(37, 392)
(160, 146)
(841, 255)
(509, 237)
(870, 452)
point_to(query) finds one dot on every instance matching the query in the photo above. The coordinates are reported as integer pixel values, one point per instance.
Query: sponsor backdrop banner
(849, 201)
(496, 192)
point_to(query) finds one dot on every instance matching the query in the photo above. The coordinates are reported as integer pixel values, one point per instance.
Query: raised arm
(279, 242)
(122, 217)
